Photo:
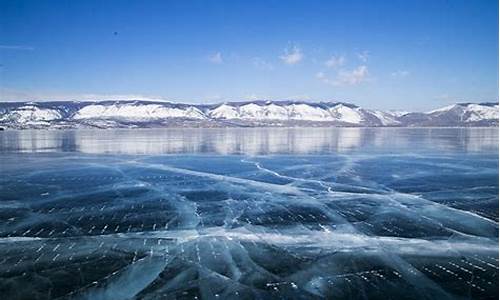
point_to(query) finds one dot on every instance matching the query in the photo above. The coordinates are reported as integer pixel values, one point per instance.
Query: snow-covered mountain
(111, 114)
(132, 111)
(462, 114)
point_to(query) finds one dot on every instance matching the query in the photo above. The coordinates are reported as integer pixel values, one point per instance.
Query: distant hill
(147, 114)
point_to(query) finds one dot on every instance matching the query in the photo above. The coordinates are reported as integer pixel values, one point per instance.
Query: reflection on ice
(354, 221)
(250, 141)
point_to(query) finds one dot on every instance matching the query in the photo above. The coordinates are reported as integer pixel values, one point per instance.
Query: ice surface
(371, 220)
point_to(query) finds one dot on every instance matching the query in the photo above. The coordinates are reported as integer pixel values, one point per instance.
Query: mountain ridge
(258, 113)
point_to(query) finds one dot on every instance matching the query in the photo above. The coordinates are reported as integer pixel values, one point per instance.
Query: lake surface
(264, 213)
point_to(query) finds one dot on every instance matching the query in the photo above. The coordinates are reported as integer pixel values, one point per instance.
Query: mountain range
(146, 114)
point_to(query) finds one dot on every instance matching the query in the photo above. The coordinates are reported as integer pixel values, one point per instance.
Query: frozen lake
(309, 213)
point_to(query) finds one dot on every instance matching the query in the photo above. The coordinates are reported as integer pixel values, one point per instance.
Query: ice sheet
(364, 225)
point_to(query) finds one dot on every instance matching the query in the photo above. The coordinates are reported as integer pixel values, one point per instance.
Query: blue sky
(412, 55)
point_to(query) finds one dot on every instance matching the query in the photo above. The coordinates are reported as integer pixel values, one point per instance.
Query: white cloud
(335, 61)
(292, 56)
(343, 77)
(262, 64)
(400, 73)
(300, 97)
(320, 75)
(212, 98)
(253, 97)
(352, 77)
(363, 56)
(443, 97)
(216, 58)
(16, 47)
(27, 95)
